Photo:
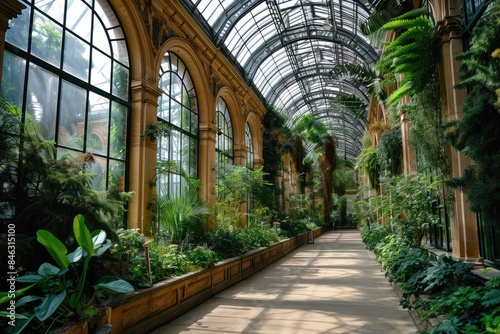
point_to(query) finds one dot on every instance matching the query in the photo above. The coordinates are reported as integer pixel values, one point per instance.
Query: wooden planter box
(143, 310)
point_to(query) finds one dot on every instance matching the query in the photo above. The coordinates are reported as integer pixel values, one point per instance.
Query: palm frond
(352, 104)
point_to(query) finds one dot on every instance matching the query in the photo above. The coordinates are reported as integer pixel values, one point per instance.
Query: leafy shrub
(388, 250)
(202, 257)
(289, 228)
(226, 243)
(446, 273)
(467, 309)
(409, 262)
(254, 238)
(373, 235)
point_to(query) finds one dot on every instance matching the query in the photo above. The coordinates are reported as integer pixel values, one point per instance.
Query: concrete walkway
(332, 286)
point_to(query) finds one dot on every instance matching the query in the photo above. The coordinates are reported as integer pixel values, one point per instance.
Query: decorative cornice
(449, 28)
(145, 91)
(9, 10)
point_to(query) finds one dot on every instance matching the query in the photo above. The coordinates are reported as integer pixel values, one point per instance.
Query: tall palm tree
(323, 146)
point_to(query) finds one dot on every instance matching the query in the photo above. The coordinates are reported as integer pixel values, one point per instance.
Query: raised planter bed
(143, 310)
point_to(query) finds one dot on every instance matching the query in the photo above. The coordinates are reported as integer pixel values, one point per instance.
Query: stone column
(465, 242)
(142, 159)
(206, 166)
(8, 10)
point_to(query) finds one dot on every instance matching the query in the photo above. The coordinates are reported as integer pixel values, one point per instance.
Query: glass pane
(194, 124)
(120, 81)
(13, 78)
(164, 107)
(79, 19)
(72, 116)
(193, 161)
(118, 131)
(175, 113)
(103, 9)
(163, 144)
(116, 175)
(120, 52)
(185, 153)
(53, 8)
(76, 57)
(175, 138)
(186, 121)
(100, 170)
(97, 124)
(41, 100)
(101, 70)
(176, 88)
(100, 39)
(18, 31)
(46, 40)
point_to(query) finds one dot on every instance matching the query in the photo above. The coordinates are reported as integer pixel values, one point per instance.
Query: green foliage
(388, 250)
(414, 54)
(407, 203)
(427, 132)
(202, 257)
(178, 215)
(235, 185)
(373, 235)
(369, 161)
(390, 151)
(41, 191)
(476, 133)
(409, 262)
(65, 290)
(352, 103)
(226, 243)
(446, 273)
(369, 77)
(275, 133)
(289, 228)
(466, 309)
(385, 10)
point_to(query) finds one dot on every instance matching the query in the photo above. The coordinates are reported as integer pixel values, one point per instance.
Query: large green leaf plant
(63, 289)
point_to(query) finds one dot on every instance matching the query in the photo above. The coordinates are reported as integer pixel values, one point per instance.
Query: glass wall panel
(61, 71)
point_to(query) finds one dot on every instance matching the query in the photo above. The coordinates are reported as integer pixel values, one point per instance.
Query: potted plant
(63, 292)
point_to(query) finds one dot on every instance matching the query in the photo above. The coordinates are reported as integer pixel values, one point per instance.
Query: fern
(413, 54)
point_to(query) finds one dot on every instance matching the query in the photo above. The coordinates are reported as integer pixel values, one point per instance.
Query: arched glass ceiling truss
(285, 54)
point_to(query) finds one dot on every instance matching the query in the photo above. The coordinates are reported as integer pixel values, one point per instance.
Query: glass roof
(285, 53)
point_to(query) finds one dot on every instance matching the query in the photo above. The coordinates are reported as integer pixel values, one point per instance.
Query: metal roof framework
(285, 53)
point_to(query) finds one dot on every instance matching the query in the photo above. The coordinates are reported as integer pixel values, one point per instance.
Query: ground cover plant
(441, 288)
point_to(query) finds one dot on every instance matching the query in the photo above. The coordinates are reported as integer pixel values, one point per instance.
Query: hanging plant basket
(155, 130)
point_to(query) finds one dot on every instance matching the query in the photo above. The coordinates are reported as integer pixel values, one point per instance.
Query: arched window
(66, 67)
(224, 141)
(249, 145)
(178, 108)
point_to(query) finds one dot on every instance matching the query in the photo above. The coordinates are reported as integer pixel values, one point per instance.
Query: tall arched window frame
(249, 145)
(224, 141)
(178, 108)
(66, 67)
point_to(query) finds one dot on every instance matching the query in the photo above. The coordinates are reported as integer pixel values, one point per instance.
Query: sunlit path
(332, 286)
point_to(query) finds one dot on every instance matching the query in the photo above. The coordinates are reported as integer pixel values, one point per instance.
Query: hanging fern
(364, 74)
(384, 11)
(413, 56)
(352, 104)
